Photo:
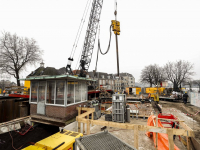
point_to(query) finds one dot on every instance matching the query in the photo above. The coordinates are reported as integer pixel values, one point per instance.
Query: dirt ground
(38, 133)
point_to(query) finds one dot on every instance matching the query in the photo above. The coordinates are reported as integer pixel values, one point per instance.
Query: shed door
(41, 98)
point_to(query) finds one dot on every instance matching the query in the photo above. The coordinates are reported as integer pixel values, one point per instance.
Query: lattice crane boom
(90, 37)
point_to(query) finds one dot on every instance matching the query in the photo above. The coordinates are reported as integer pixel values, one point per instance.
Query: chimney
(42, 64)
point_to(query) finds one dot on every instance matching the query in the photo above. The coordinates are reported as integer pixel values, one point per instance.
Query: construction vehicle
(63, 140)
(133, 90)
(90, 38)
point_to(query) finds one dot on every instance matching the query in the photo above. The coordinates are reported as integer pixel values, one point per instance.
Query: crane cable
(80, 29)
(99, 47)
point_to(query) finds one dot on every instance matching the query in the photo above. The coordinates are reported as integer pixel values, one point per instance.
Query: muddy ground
(38, 133)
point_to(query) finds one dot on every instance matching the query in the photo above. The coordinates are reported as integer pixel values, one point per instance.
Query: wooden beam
(92, 117)
(88, 127)
(140, 127)
(85, 108)
(136, 145)
(156, 132)
(85, 114)
(79, 124)
(83, 128)
(14, 121)
(188, 143)
(186, 127)
(170, 119)
(170, 139)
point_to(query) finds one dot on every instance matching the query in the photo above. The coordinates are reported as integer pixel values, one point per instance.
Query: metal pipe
(117, 55)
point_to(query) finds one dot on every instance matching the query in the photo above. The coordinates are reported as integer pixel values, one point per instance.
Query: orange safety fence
(162, 137)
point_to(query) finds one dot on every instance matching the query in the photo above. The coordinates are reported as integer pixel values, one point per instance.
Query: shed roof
(51, 77)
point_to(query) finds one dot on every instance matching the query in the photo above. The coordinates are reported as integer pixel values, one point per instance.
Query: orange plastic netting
(162, 137)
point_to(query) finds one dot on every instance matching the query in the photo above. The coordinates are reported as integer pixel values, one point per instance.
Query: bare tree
(158, 74)
(178, 72)
(17, 53)
(147, 75)
(189, 83)
(152, 74)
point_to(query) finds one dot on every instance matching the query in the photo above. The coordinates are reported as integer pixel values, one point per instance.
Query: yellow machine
(116, 27)
(63, 140)
(132, 89)
(155, 92)
(27, 84)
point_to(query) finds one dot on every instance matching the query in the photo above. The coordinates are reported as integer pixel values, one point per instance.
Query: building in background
(128, 80)
(111, 81)
(103, 79)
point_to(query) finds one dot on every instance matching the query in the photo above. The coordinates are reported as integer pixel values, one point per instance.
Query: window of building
(84, 91)
(100, 82)
(41, 91)
(60, 86)
(50, 92)
(70, 92)
(34, 87)
(77, 92)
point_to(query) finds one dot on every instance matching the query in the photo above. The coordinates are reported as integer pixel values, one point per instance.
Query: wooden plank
(185, 126)
(92, 117)
(156, 132)
(131, 126)
(85, 108)
(188, 143)
(171, 120)
(170, 139)
(140, 127)
(88, 127)
(85, 114)
(79, 124)
(136, 145)
(159, 130)
(83, 128)
(14, 121)
(188, 140)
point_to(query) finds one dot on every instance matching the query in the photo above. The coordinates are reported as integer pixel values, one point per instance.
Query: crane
(90, 37)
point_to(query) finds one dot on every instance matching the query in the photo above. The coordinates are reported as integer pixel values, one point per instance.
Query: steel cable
(80, 29)
(99, 47)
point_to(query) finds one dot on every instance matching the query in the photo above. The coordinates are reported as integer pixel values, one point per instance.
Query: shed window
(50, 92)
(84, 91)
(77, 92)
(41, 91)
(60, 86)
(70, 92)
(34, 86)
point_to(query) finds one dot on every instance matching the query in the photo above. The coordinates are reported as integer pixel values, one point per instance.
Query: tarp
(162, 137)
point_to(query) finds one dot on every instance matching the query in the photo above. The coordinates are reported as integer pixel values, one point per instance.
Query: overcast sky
(152, 31)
